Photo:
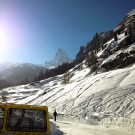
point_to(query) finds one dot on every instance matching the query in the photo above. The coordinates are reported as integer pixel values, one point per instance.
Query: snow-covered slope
(103, 98)
(132, 12)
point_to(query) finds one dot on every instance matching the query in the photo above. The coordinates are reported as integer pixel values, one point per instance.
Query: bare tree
(4, 98)
(66, 77)
(80, 67)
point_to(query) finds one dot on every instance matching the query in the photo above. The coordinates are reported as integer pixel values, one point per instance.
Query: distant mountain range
(4, 66)
(60, 58)
(13, 74)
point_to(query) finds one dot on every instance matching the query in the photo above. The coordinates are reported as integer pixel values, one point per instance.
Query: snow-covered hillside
(105, 98)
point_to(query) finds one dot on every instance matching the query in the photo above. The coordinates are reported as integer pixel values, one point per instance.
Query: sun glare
(4, 38)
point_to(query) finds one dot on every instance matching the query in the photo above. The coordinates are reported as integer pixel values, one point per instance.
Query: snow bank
(119, 122)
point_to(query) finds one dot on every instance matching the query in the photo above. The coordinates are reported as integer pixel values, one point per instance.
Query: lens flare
(3, 46)
(4, 38)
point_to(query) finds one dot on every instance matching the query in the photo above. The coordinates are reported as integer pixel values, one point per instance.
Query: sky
(33, 30)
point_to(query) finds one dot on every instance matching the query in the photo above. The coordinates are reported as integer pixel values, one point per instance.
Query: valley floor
(69, 128)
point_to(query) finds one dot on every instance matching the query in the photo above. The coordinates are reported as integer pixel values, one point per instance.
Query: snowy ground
(69, 128)
(103, 99)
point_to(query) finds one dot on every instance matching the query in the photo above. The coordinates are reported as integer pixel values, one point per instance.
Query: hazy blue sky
(33, 30)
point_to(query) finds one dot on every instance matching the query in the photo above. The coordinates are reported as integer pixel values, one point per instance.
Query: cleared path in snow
(69, 128)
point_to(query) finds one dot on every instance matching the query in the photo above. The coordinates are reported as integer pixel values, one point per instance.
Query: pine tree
(129, 30)
(26, 80)
(41, 75)
(115, 36)
(92, 61)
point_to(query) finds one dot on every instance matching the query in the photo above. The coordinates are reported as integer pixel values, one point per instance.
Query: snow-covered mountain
(131, 13)
(106, 98)
(60, 58)
(15, 73)
(4, 66)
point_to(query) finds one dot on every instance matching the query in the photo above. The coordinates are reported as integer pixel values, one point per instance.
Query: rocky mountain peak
(60, 58)
(61, 53)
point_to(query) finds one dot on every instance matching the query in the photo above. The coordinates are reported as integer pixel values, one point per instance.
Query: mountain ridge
(19, 72)
(60, 58)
